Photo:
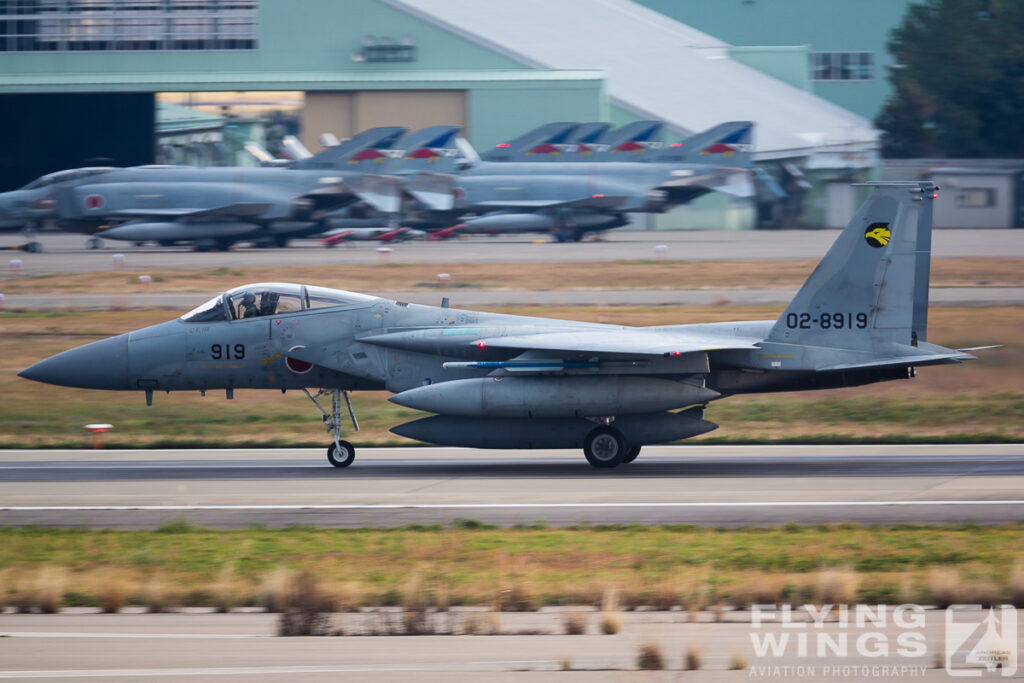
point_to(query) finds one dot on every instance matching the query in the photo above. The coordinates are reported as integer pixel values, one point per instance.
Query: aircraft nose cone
(99, 365)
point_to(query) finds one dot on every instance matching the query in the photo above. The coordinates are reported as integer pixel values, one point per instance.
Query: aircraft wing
(239, 210)
(628, 341)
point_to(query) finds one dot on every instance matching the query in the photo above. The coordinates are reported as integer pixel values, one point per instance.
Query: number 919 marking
(827, 321)
(227, 351)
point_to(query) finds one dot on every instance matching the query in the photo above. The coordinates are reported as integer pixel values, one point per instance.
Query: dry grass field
(517, 569)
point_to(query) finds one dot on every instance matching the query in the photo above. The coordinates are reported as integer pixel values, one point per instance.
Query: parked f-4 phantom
(209, 207)
(572, 198)
(27, 209)
(505, 381)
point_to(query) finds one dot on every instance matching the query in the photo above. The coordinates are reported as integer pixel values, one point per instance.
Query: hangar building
(78, 78)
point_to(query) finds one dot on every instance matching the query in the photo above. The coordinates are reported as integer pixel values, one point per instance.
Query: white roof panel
(657, 68)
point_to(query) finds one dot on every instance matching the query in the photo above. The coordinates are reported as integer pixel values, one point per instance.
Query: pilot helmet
(248, 298)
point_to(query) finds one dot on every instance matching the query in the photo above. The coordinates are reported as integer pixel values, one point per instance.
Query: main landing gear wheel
(631, 454)
(341, 454)
(605, 447)
(93, 243)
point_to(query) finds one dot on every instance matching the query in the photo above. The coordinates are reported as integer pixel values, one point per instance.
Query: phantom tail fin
(360, 148)
(637, 140)
(579, 145)
(539, 140)
(432, 148)
(872, 285)
(727, 144)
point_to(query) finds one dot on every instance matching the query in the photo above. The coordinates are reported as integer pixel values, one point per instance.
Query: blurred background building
(124, 82)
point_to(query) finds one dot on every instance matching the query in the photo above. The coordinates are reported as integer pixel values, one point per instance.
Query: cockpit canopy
(65, 176)
(270, 299)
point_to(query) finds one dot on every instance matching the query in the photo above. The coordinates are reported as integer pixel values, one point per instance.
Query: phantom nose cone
(99, 365)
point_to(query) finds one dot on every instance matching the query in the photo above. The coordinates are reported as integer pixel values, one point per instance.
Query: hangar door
(346, 112)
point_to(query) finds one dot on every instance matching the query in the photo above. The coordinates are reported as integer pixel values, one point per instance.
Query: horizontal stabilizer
(435, 191)
(918, 360)
(382, 192)
(733, 182)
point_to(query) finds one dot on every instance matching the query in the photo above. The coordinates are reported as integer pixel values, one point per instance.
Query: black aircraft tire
(605, 447)
(631, 454)
(33, 248)
(345, 458)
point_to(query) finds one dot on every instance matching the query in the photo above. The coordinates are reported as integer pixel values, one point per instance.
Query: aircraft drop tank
(536, 222)
(554, 396)
(144, 230)
(524, 432)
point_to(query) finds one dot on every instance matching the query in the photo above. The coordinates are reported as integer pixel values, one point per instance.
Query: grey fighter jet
(505, 381)
(27, 209)
(569, 199)
(209, 207)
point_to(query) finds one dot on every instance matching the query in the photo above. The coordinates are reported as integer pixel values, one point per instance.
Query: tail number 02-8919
(827, 321)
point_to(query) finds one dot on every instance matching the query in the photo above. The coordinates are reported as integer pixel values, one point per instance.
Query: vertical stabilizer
(431, 149)
(517, 148)
(872, 285)
(634, 141)
(727, 144)
(359, 152)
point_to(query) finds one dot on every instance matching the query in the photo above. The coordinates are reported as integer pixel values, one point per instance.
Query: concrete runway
(65, 253)
(239, 647)
(706, 485)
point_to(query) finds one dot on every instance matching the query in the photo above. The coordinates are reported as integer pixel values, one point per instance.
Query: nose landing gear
(340, 453)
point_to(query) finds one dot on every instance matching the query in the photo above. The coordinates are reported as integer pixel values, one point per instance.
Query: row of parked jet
(567, 179)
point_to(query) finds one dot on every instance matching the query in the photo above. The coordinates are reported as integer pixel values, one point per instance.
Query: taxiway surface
(708, 485)
(240, 647)
(65, 253)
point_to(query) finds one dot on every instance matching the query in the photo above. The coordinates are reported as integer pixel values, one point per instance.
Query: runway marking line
(491, 506)
(498, 665)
